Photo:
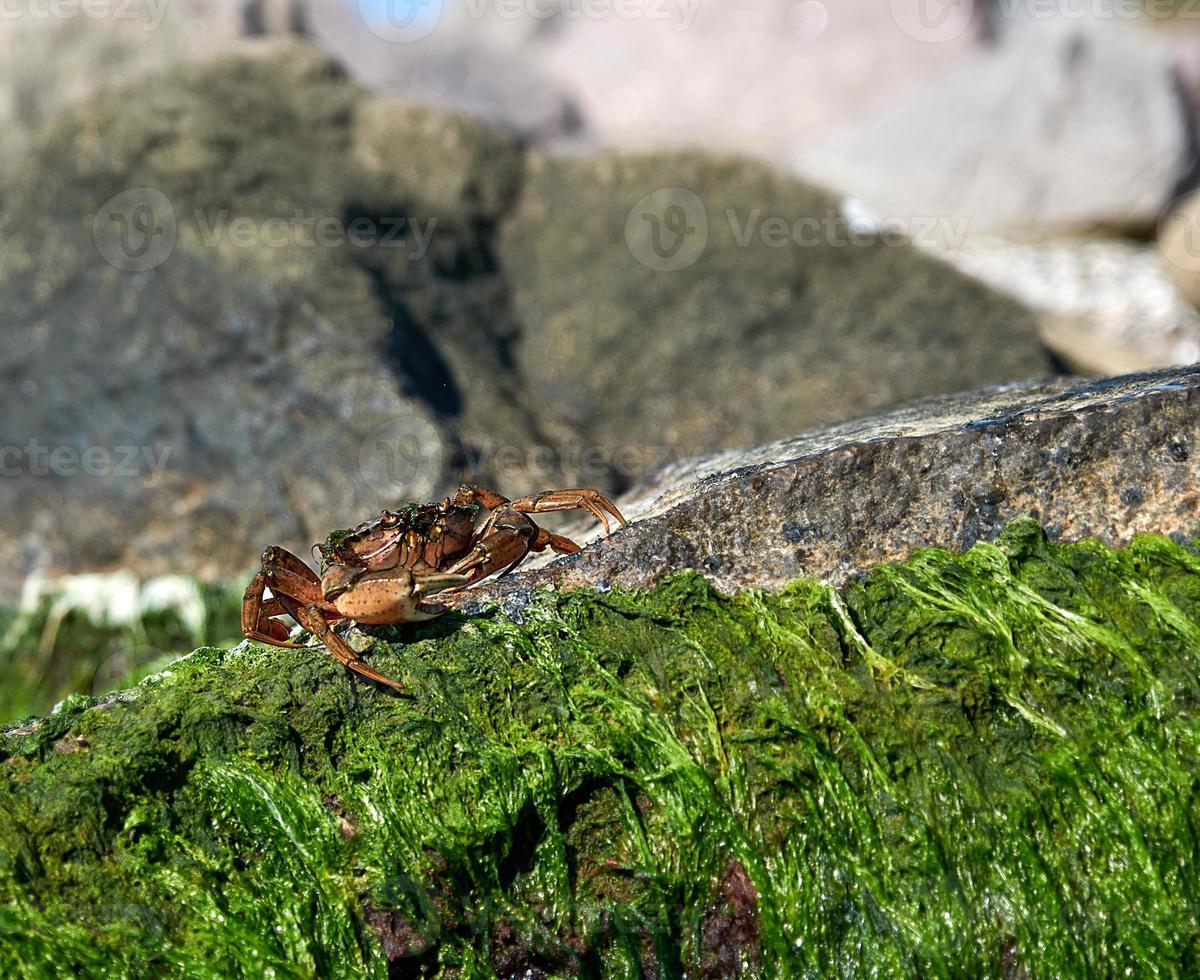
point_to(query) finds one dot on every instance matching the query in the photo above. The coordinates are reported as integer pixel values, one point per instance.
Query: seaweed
(975, 764)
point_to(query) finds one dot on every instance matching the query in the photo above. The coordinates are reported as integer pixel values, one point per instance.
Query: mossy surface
(53, 649)
(979, 764)
(780, 324)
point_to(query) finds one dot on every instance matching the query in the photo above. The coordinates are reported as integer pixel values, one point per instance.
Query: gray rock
(1105, 459)
(190, 371)
(320, 304)
(1051, 129)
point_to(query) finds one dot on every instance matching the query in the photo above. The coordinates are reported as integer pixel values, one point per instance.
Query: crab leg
(593, 501)
(499, 550)
(257, 613)
(284, 574)
(556, 542)
(312, 618)
(282, 559)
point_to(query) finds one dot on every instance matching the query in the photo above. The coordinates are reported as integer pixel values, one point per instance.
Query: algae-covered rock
(453, 166)
(977, 764)
(684, 303)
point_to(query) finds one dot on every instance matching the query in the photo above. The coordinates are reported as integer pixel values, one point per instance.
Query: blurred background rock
(267, 267)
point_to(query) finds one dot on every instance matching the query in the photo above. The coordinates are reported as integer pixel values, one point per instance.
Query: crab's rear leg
(593, 501)
(555, 542)
(314, 618)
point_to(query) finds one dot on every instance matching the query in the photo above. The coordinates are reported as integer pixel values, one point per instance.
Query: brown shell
(418, 536)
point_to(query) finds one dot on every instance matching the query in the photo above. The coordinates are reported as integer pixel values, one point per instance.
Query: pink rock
(753, 76)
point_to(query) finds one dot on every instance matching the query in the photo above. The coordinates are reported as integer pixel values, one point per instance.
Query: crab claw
(431, 583)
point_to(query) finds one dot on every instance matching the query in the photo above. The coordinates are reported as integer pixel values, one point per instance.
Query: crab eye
(390, 519)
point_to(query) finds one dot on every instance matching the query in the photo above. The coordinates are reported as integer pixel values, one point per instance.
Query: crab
(388, 570)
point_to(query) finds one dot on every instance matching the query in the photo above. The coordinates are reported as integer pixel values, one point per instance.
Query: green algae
(979, 764)
(53, 649)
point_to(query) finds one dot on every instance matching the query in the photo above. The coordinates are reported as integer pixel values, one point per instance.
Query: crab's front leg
(593, 501)
(549, 501)
(297, 592)
(286, 576)
(314, 619)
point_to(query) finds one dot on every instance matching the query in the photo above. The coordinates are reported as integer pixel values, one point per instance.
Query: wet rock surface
(1107, 459)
